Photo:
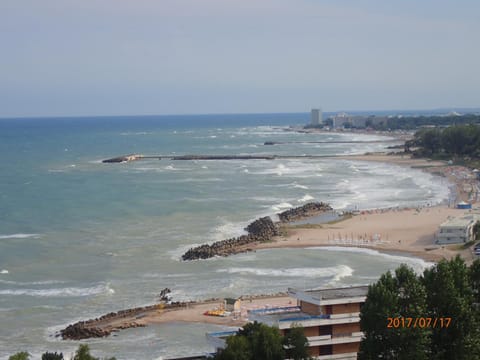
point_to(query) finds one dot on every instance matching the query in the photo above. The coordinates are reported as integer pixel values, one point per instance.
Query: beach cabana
(464, 205)
(232, 304)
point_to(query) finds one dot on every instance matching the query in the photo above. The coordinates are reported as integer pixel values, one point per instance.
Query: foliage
(238, 348)
(83, 353)
(450, 294)
(459, 141)
(414, 122)
(475, 281)
(393, 296)
(52, 356)
(296, 343)
(23, 355)
(448, 289)
(254, 341)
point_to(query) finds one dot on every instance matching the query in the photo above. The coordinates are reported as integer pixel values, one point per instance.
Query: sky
(141, 57)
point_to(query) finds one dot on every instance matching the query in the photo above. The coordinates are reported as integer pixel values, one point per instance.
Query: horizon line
(475, 109)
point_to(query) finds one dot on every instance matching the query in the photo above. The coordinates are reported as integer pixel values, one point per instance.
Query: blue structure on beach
(464, 205)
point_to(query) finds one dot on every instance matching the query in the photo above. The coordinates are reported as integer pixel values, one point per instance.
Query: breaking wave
(60, 292)
(337, 272)
(19, 236)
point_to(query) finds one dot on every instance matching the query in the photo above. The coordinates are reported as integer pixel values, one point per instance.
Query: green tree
(52, 356)
(296, 343)
(266, 341)
(475, 282)
(23, 355)
(260, 342)
(399, 296)
(450, 294)
(237, 348)
(83, 353)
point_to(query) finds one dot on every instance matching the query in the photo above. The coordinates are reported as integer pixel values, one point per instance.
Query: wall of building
(314, 351)
(339, 329)
(345, 308)
(311, 331)
(346, 348)
(311, 309)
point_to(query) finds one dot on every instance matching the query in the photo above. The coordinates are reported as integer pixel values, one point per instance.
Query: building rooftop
(460, 221)
(336, 293)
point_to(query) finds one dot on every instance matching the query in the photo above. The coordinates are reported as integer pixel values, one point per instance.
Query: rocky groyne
(304, 211)
(124, 319)
(261, 230)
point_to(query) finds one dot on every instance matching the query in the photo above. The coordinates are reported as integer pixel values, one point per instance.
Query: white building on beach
(457, 230)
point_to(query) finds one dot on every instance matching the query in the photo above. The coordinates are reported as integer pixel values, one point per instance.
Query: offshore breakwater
(136, 157)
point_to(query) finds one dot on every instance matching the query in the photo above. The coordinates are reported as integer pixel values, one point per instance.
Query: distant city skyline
(145, 57)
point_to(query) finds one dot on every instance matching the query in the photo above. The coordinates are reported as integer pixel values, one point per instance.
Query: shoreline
(408, 231)
(404, 230)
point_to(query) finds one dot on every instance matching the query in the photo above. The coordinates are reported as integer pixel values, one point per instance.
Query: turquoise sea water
(79, 238)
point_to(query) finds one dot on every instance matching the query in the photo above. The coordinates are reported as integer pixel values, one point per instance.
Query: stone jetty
(124, 319)
(261, 230)
(304, 211)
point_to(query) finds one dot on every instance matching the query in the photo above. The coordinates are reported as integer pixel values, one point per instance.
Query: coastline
(408, 231)
(404, 230)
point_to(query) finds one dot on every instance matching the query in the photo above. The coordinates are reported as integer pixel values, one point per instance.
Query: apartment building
(330, 319)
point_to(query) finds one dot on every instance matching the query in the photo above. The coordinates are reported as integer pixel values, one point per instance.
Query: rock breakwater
(112, 322)
(304, 211)
(261, 230)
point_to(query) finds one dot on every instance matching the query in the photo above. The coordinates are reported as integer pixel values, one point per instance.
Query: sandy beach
(410, 230)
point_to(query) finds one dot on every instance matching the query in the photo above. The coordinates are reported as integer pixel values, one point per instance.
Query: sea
(80, 238)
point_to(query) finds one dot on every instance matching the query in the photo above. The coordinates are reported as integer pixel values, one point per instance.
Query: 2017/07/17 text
(420, 322)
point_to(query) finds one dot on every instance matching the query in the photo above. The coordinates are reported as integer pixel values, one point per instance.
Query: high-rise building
(316, 117)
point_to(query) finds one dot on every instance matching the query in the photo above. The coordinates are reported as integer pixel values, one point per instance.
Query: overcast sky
(126, 57)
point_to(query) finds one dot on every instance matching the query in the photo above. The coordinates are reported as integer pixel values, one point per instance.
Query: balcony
(346, 356)
(306, 320)
(335, 339)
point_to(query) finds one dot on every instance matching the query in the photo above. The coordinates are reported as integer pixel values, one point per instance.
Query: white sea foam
(131, 133)
(416, 263)
(337, 272)
(281, 206)
(19, 236)
(298, 186)
(306, 198)
(162, 275)
(4, 271)
(228, 229)
(27, 283)
(60, 292)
